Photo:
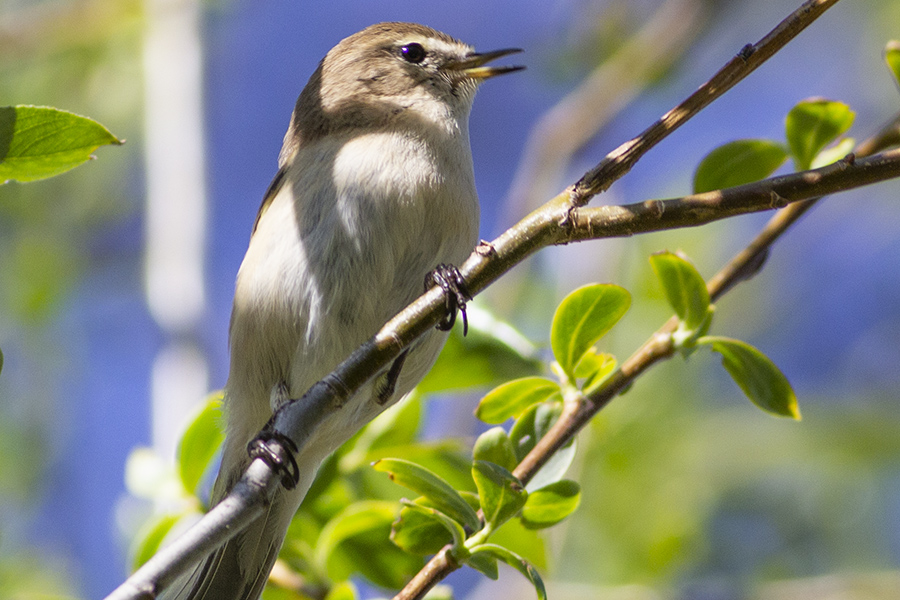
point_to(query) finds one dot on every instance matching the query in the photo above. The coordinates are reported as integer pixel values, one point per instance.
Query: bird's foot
(387, 386)
(449, 279)
(278, 451)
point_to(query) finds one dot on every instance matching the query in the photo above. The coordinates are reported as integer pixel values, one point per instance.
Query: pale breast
(345, 244)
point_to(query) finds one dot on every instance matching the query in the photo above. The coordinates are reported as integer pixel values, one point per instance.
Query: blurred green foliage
(82, 56)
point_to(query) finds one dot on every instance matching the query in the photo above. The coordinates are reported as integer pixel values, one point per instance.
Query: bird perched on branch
(375, 189)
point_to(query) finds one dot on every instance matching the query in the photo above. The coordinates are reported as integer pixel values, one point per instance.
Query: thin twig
(690, 211)
(619, 161)
(575, 119)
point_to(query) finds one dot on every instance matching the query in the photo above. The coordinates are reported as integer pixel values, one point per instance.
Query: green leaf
(530, 428)
(356, 540)
(684, 288)
(761, 380)
(447, 457)
(494, 446)
(418, 533)
(502, 494)
(1, 361)
(424, 482)
(892, 58)
(737, 163)
(200, 442)
(517, 562)
(813, 124)
(512, 398)
(485, 564)
(551, 504)
(582, 318)
(592, 362)
(595, 367)
(355, 519)
(493, 352)
(530, 544)
(149, 476)
(439, 592)
(421, 529)
(150, 538)
(37, 142)
(397, 425)
(834, 153)
(344, 590)
(524, 434)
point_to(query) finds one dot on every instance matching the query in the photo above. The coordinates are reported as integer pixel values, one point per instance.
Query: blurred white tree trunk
(175, 210)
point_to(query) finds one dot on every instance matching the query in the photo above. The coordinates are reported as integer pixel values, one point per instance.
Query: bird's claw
(279, 456)
(449, 279)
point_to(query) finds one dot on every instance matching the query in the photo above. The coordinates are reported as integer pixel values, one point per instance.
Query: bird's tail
(239, 569)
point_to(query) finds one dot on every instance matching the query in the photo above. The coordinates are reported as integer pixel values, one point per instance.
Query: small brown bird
(375, 189)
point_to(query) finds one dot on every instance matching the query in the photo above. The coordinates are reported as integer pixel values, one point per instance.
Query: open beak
(473, 66)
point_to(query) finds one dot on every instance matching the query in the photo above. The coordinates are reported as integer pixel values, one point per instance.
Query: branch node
(338, 388)
(580, 193)
(485, 248)
(776, 200)
(581, 222)
(567, 219)
(746, 52)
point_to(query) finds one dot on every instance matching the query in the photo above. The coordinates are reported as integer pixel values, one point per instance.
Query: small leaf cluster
(810, 128)
(813, 130)
(536, 403)
(763, 383)
(581, 320)
(441, 516)
(464, 522)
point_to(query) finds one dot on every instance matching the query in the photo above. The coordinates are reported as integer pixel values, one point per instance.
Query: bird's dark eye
(413, 53)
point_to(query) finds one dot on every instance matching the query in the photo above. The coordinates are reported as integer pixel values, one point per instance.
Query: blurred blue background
(80, 343)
